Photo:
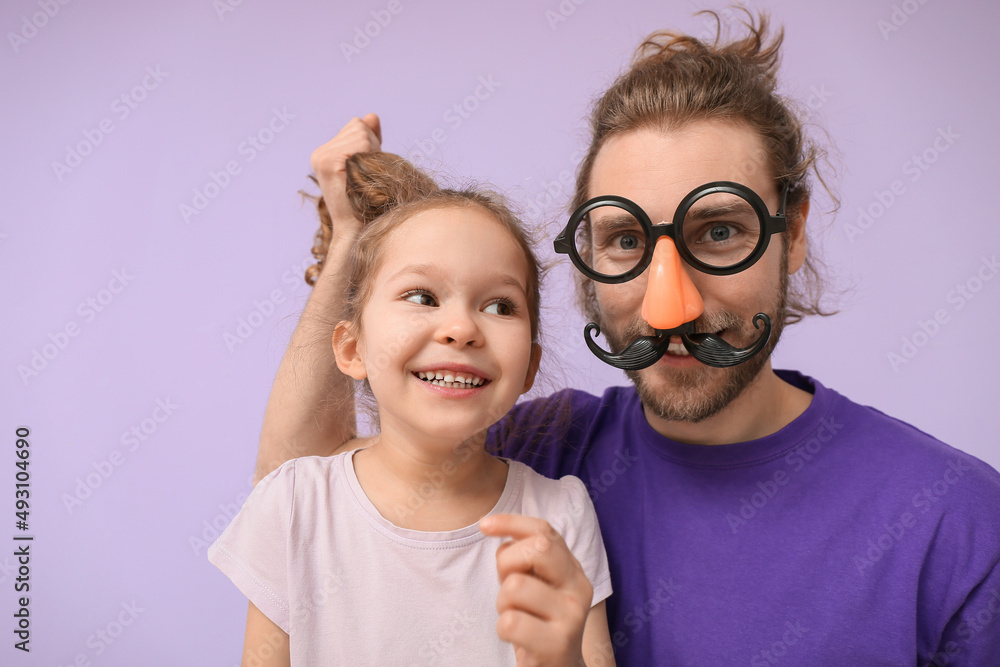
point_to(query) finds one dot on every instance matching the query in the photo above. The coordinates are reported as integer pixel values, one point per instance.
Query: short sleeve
(253, 550)
(969, 640)
(576, 521)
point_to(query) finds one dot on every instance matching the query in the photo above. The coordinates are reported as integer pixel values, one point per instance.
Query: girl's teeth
(446, 378)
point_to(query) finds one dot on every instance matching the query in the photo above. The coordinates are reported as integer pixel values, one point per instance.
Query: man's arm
(311, 407)
(973, 636)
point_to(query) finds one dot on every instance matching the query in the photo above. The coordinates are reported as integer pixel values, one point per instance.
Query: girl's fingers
(513, 525)
(522, 592)
(534, 641)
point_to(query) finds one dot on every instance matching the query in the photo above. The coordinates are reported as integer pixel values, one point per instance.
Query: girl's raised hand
(360, 135)
(545, 596)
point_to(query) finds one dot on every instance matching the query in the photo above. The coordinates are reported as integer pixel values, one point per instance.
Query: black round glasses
(719, 228)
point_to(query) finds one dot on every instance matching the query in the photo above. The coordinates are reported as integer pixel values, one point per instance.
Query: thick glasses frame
(770, 224)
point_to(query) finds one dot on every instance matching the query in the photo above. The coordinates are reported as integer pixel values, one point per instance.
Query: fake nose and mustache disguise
(670, 306)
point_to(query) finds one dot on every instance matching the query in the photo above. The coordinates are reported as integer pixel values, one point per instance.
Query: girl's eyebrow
(424, 269)
(430, 269)
(508, 279)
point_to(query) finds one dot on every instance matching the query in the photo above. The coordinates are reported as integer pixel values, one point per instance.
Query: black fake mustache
(707, 348)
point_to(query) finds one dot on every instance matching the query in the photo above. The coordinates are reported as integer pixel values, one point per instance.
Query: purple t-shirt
(846, 538)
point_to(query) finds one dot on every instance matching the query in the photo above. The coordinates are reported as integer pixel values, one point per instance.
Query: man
(750, 517)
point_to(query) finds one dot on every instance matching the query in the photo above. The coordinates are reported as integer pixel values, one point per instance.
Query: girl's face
(446, 334)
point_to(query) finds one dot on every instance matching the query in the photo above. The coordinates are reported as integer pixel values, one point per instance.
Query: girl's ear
(536, 358)
(347, 352)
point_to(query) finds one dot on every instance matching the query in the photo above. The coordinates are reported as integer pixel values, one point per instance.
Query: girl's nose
(458, 326)
(671, 298)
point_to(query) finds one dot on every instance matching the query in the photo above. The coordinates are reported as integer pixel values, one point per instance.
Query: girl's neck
(432, 489)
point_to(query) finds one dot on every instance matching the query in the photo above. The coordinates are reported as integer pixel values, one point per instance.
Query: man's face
(656, 169)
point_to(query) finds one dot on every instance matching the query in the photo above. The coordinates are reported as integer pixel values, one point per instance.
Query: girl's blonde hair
(385, 190)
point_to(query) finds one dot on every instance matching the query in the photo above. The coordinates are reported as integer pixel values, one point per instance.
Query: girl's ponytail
(379, 182)
(376, 184)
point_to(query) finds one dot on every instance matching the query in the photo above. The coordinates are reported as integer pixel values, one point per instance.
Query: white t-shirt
(310, 551)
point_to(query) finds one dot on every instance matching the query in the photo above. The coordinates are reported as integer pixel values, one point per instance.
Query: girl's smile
(445, 339)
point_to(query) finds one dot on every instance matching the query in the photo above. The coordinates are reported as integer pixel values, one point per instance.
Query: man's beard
(699, 392)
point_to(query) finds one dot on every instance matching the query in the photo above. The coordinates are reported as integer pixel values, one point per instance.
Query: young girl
(376, 556)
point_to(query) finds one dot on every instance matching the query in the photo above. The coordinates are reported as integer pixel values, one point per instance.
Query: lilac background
(135, 538)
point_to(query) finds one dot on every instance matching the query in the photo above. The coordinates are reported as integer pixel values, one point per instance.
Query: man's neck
(767, 405)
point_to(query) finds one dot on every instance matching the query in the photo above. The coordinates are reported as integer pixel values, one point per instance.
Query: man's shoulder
(880, 442)
(553, 433)
(576, 401)
(568, 413)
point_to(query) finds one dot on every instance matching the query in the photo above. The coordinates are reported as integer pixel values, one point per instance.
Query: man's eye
(720, 232)
(420, 298)
(502, 308)
(628, 241)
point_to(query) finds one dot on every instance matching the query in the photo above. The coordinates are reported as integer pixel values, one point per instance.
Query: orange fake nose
(671, 298)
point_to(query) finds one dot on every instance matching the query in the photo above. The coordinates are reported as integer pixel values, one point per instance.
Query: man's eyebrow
(615, 222)
(714, 210)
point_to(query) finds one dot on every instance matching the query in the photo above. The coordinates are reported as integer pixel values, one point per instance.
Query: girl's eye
(503, 308)
(420, 297)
